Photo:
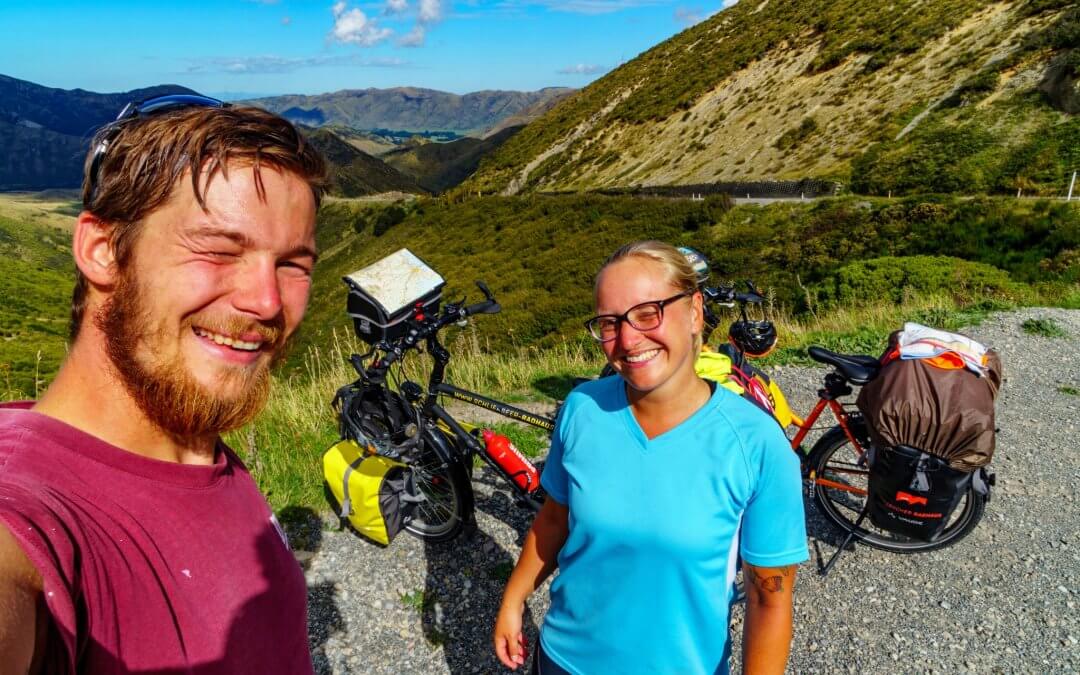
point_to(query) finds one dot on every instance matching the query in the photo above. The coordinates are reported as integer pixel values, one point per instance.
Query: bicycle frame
(431, 408)
(506, 410)
(807, 424)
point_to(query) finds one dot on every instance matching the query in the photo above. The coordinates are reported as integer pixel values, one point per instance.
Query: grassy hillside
(440, 166)
(539, 253)
(354, 173)
(36, 286)
(801, 88)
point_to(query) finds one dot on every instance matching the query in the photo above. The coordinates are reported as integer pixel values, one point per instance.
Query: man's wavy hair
(148, 156)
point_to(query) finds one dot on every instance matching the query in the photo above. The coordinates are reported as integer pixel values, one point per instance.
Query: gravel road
(1003, 600)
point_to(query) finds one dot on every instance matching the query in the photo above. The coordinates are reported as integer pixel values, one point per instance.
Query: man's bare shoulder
(20, 593)
(15, 567)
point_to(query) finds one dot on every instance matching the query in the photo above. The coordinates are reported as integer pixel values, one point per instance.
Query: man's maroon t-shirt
(149, 566)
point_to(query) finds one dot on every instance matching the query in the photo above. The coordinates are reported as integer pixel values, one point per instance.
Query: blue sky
(296, 46)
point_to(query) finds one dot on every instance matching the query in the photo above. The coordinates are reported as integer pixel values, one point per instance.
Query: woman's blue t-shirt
(647, 571)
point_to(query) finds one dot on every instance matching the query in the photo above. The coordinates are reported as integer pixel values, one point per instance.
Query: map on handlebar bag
(397, 281)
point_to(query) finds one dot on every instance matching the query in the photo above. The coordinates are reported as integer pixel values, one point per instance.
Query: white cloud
(396, 6)
(729, 3)
(581, 69)
(352, 26)
(257, 65)
(414, 38)
(430, 11)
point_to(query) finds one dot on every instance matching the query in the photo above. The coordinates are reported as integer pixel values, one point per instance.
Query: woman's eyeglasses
(151, 106)
(643, 317)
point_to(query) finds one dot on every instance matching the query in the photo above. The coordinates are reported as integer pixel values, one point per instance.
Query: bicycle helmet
(698, 262)
(754, 338)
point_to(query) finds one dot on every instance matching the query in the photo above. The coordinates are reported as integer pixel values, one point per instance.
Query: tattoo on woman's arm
(772, 583)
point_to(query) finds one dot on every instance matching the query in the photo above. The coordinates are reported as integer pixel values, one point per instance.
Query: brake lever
(485, 290)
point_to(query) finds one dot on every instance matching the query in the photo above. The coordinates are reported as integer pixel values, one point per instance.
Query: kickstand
(847, 542)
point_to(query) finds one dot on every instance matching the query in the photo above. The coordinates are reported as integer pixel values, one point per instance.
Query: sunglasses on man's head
(146, 108)
(643, 317)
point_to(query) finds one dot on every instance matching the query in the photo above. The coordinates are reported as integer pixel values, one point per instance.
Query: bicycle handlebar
(424, 328)
(727, 295)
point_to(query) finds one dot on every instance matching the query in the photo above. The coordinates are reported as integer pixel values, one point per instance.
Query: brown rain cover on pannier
(946, 413)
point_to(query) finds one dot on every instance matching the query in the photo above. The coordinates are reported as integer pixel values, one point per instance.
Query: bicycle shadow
(303, 528)
(825, 536)
(462, 590)
(554, 386)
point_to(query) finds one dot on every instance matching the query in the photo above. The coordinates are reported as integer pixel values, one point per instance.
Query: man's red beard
(166, 392)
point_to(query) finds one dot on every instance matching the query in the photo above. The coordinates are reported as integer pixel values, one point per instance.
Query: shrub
(792, 137)
(891, 279)
(1048, 328)
(387, 218)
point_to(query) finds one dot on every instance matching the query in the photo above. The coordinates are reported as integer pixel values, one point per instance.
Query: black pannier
(931, 426)
(912, 492)
(386, 293)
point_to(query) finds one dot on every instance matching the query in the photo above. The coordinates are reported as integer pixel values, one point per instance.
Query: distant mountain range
(412, 109)
(45, 132)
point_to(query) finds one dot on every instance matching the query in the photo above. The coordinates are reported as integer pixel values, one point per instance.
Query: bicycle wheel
(841, 481)
(447, 492)
(382, 416)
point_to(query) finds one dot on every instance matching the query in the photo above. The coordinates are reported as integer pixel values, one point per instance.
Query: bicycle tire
(449, 497)
(833, 458)
(446, 486)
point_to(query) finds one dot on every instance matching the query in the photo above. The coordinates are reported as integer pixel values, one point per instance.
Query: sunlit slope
(782, 89)
(38, 275)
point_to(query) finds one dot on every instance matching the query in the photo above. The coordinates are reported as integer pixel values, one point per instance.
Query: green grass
(36, 288)
(530, 441)
(1071, 391)
(1048, 328)
(418, 600)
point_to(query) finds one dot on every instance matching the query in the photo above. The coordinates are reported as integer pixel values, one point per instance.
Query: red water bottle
(502, 452)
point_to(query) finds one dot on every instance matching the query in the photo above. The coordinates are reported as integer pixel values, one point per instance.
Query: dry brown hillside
(816, 90)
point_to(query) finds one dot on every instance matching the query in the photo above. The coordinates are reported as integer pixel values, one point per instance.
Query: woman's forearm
(539, 555)
(766, 638)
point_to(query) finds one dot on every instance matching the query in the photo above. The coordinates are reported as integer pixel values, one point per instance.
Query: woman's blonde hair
(680, 273)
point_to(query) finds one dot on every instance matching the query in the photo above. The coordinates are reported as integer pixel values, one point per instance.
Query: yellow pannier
(374, 494)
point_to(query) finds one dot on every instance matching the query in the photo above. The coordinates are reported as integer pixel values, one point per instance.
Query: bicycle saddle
(856, 368)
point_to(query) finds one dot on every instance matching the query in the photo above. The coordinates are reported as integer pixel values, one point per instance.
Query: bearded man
(131, 538)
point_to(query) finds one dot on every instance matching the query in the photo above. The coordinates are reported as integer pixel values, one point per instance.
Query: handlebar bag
(913, 493)
(386, 293)
(373, 494)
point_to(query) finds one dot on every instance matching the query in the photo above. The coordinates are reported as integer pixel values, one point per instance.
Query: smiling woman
(669, 480)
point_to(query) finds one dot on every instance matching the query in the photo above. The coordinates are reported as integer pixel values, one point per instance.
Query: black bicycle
(406, 422)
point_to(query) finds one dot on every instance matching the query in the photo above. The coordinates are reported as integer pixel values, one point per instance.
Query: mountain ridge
(409, 108)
